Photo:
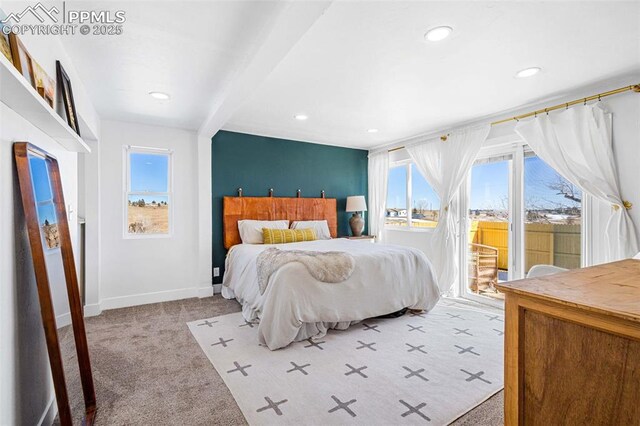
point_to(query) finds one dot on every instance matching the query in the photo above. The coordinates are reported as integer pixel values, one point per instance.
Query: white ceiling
(191, 50)
(348, 65)
(366, 65)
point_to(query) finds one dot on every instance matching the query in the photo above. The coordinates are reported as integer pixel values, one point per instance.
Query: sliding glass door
(516, 212)
(553, 217)
(489, 217)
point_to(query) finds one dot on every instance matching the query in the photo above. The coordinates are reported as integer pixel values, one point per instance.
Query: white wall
(137, 271)
(625, 109)
(26, 393)
(89, 209)
(25, 383)
(205, 225)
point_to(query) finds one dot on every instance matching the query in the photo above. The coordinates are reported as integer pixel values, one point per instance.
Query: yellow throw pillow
(281, 236)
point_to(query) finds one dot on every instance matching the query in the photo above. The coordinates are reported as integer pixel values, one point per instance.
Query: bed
(295, 306)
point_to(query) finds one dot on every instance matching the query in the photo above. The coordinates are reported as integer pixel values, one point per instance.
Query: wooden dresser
(572, 347)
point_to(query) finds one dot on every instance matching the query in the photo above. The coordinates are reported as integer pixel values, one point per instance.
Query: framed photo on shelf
(21, 59)
(64, 84)
(4, 46)
(46, 85)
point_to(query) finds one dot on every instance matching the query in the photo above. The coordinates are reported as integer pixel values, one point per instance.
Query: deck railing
(545, 243)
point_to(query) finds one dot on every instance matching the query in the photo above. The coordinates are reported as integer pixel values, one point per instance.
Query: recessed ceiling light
(160, 95)
(300, 117)
(528, 72)
(438, 33)
(372, 130)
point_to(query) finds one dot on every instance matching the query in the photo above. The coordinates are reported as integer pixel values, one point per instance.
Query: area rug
(419, 368)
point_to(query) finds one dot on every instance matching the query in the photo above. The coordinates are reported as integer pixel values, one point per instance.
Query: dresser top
(611, 289)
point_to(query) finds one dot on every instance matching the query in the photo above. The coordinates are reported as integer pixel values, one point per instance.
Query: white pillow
(320, 226)
(251, 230)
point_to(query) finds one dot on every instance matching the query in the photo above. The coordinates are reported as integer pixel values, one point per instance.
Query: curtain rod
(566, 105)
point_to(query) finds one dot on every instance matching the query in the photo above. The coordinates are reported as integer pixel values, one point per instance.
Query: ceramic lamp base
(357, 224)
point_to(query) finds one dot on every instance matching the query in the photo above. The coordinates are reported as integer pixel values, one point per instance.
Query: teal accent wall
(257, 163)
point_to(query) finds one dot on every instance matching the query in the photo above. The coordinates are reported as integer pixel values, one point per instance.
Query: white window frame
(516, 213)
(517, 149)
(409, 228)
(126, 152)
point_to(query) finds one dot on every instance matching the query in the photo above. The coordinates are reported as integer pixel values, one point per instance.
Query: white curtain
(378, 176)
(577, 144)
(445, 165)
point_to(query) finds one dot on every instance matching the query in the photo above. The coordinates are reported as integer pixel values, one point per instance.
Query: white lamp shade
(356, 203)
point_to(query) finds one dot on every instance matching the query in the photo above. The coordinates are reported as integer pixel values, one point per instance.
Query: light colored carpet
(148, 369)
(420, 367)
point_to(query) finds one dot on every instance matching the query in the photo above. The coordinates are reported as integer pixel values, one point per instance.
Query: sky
(149, 173)
(421, 190)
(42, 190)
(40, 179)
(489, 187)
(47, 212)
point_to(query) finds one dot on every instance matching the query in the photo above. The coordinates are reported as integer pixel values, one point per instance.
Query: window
(425, 204)
(43, 194)
(519, 212)
(397, 197)
(411, 202)
(553, 217)
(489, 215)
(148, 200)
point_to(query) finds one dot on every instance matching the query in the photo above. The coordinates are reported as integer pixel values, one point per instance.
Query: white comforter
(295, 306)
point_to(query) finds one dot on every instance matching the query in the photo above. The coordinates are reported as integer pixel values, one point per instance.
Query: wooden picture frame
(64, 83)
(45, 85)
(5, 47)
(43, 201)
(22, 59)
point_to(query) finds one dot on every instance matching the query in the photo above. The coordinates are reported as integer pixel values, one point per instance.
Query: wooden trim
(513, 371)
(595, 320)
(275, 208)
(21, 150)
(591, 289)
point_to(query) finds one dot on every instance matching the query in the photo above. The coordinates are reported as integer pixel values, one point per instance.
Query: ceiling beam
(284, 32)
(279, 37)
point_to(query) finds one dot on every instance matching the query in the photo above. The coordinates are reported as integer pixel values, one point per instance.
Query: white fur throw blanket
(327, 267)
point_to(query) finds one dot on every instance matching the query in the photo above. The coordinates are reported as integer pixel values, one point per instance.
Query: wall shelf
(17, 94)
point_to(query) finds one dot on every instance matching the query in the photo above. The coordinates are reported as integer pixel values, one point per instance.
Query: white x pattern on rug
(416, 369)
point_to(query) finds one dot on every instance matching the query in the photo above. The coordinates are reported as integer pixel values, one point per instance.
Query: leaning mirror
(56, 278)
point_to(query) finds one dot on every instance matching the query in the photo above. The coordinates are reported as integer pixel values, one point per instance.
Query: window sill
(146, 237)
(407, 229)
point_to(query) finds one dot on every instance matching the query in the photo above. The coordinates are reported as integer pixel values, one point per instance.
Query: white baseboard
(63, 320)
(50, 412)
(217, 288)
(207, 291)
(156, 297)
(89, 311)
(92, 310)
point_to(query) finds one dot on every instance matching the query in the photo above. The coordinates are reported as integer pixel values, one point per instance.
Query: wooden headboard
(275, 208)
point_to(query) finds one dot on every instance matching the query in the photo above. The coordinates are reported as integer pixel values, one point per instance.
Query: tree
(141, 203)
(566, 189)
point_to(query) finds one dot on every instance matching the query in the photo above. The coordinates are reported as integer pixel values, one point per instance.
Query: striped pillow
(281, 236)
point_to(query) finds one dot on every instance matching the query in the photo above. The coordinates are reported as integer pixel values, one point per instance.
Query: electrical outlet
(216, 272)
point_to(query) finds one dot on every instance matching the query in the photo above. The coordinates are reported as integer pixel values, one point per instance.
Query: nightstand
(371, 238)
